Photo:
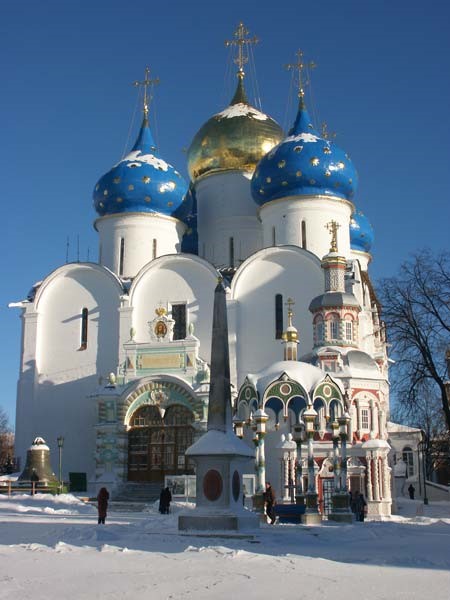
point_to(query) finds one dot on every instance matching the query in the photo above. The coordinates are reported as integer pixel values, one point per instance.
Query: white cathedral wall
(286, 270)
(226, 210)
(146, 236)
(57, 401)
(175, 279)
(282, 223)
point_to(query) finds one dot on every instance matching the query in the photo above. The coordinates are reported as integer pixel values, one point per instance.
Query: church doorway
(157, 442)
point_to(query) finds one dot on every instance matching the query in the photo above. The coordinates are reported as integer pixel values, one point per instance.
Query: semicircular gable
(159, 391)
(79, 271)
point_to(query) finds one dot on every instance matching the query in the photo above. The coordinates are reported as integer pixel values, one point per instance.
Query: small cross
(333, 227)
(301, 66)
(145, 84)
(241, 42)
(290, 303)
(327, 134)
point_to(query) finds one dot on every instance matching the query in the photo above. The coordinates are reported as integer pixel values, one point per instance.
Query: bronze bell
(38, 467)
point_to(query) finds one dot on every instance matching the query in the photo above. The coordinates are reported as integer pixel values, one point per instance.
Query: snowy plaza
(51, 547)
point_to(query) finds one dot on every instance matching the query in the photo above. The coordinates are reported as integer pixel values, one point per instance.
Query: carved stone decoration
(161, 327)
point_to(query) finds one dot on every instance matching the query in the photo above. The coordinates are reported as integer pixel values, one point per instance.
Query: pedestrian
(269, 502)
(102, 505)
(411, 491)
(165, 498)
(360, 508)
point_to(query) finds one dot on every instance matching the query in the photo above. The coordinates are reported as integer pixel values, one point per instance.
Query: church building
(116, 353)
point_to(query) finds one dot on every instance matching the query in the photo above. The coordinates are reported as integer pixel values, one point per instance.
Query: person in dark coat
(269, 502)
(165, 499)
(360, 508)
(411, 491)
(102, 505)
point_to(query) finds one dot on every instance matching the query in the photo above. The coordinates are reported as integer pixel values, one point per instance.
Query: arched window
(320, 420)
(335, 410)
(278, 316)
(84, 329)
(121, 255)
(334, 327)
(408, 459)
(155, 248)
(348, 332)
(304, 235)
(319, 330)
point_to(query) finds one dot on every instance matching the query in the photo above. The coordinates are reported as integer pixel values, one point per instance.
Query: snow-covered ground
(51, 547)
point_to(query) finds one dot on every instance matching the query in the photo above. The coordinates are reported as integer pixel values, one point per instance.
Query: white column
(376, 478)
(369, 476)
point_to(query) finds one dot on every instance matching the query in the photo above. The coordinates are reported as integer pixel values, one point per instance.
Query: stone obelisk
(220, 456)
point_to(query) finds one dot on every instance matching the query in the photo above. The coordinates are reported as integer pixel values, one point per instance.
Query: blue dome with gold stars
(304, 164)
(361, 232)
(141, 182)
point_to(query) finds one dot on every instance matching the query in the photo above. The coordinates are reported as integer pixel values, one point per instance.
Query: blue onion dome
(304, 164)
(361, 232)
(141, 182)
(188, 214)
(234, 139)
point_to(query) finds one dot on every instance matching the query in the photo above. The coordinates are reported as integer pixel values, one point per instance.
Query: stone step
(138, 492)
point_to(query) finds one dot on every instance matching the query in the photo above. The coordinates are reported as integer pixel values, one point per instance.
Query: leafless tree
(5, 438)
(416, 312)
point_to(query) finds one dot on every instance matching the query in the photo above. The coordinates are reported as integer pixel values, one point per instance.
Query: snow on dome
(308, 376)
(141, 182)
(241, 110)
(39, 444)
(304, 164)
(234, 139)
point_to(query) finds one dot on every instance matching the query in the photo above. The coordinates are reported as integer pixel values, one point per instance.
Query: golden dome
(234, 139)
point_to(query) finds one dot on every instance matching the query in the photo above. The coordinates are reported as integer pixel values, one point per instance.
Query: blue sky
(382, 83)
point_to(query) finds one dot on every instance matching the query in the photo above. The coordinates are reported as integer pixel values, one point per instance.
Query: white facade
(87, 321)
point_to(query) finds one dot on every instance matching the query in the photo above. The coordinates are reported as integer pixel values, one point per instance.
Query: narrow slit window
(231, 252)
(121, 255)
(278, 316)
(304, 246)
(179, 316)
(274, 237)
(154, 248)
(84, 328)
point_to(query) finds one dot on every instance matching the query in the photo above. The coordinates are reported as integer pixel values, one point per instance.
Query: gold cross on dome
(290, 303)
(146, 84)
(333, 227)
(301, 66)
(327, 134)
(242, 43)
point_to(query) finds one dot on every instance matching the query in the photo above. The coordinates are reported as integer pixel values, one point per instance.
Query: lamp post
(238, 427)
(422, 446)
(260, 419)
(343, 434)
(299, 437)
(60, 441)
(340, 499)
(312, 514)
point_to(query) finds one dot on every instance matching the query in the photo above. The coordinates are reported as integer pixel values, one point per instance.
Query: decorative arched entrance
(157, 442)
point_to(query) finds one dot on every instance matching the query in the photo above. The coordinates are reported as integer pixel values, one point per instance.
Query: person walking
(411, 491)
(165, 498)
(102, 505)
(269, 502)
(360, 508)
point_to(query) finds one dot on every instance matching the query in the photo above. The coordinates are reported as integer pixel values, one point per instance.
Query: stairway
(142, 493)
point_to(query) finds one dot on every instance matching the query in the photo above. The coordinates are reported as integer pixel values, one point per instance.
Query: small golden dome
(234, 139)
